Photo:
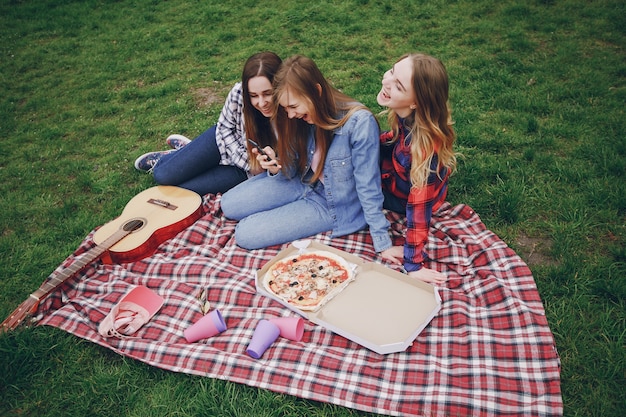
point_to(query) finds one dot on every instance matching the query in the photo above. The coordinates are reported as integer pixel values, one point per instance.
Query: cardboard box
(381, 309)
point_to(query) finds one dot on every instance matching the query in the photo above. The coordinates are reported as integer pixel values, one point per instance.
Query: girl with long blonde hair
(323, 174)
(417, 153)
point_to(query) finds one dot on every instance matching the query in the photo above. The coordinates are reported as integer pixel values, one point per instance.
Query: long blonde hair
(301, 76)
(430, 123)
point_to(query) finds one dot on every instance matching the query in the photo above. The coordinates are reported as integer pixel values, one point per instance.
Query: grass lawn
(538, 90)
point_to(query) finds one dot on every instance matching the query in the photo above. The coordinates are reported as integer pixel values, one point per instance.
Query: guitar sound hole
(133, 225)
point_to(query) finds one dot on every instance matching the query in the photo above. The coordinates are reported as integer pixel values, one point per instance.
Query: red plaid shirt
(421, 202)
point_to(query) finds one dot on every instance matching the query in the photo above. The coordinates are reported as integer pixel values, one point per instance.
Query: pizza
(307, 280)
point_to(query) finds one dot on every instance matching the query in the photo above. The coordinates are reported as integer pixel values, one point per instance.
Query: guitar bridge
(162, 203)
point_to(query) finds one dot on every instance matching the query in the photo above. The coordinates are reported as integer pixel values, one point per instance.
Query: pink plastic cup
(208, 326)
(264, 335)
(291, 328)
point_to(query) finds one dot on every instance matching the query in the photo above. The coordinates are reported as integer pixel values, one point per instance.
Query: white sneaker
(147, 161)
(177, 141)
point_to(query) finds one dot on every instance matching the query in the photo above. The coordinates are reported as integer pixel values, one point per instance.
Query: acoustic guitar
(149, 219)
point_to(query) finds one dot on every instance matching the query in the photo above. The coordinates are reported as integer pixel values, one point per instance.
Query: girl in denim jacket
(417, 154)
(323, 174)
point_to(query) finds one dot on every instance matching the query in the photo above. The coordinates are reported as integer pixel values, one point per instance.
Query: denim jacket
(352, 182)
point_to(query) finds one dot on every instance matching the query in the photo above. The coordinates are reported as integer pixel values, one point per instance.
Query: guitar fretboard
(59, 277)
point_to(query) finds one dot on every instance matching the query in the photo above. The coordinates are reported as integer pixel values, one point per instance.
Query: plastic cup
(264, 335)
(291, 328)
(144, 297)
(208, 326)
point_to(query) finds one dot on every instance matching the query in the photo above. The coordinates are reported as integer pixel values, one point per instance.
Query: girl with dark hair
(219, 158)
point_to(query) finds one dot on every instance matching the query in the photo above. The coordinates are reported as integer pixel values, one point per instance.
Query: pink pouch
(134, 310)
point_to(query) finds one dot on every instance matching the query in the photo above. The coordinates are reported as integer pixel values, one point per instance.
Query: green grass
(538, 90)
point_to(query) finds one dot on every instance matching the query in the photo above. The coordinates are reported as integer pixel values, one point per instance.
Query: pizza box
(381, 309)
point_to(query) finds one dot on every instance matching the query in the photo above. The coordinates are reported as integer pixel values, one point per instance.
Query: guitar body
(163, 211)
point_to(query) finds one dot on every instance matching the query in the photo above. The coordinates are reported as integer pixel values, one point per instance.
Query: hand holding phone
(261, 151)
(267, 157)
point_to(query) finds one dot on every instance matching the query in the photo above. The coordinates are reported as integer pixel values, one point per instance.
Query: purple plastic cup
(264, 335)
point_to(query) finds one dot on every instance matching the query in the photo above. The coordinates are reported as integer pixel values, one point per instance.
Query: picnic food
(306, 280)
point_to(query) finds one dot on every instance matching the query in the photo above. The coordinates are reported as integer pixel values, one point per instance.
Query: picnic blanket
(489, 351)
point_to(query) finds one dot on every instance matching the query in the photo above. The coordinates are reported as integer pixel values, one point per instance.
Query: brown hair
(330, 109)
(258, 127)
(431, 121)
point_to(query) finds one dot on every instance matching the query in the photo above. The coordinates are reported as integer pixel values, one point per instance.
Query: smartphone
(261, 151)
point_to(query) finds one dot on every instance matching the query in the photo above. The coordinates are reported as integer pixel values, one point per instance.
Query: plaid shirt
(230, 133)
(421, 202)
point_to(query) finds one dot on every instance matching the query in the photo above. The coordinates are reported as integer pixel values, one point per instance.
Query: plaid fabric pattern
(230, 133)
(489, 351)
(420, 202)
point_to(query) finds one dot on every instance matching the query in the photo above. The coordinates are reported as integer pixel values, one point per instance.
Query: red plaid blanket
(488, 352)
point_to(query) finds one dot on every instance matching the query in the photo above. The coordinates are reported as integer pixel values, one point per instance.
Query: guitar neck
(59, 277)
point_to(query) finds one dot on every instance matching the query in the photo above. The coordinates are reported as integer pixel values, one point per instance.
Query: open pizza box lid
(381, 309)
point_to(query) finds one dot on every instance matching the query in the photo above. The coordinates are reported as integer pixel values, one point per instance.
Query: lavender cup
(264, 335)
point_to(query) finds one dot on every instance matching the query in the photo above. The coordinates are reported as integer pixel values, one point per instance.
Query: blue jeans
(196, 167)
(276, 210)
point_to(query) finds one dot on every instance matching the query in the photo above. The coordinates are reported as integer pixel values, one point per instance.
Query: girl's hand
(393, 255)
(429, 275)
(271, 165)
